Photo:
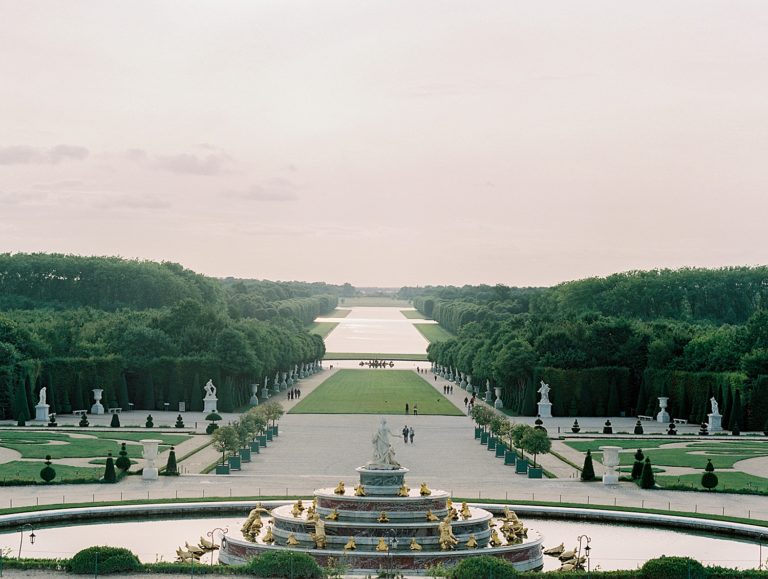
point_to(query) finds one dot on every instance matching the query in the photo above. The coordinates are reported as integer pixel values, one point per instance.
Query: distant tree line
(147, 333)
(614, 344)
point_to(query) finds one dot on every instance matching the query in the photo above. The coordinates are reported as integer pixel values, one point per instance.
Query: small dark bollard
(607, 428)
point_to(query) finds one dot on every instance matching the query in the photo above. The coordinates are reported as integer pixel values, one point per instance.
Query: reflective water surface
(612, 546)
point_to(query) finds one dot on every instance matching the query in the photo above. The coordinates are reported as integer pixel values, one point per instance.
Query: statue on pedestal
(383, 453)
(715, 406)
(544, 391)
(42, 396)
(210, 389)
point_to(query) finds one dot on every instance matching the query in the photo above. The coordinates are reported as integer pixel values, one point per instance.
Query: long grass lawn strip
(375, 392)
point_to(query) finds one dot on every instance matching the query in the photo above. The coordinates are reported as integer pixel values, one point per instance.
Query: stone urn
(610, 461)
(149, 452)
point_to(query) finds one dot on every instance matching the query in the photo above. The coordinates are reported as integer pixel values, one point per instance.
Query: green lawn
(62, 445)
(594, 445)
(413, 314)
(730, 481)
(372, 356)
(434, 332)
(336, 314)
(23, 471)
(375, 392)
(322, 329)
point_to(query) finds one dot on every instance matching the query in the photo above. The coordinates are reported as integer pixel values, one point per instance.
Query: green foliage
(483, 566)
(150, 423)
(709, 478)
(673, 568)
(179, 422)
(588, 470)
(83, 421)
(647, 478)
(103, 560)
(115, 422)
(536, 442)
(284, 564)
(47, 473)
(225, 439)
(171, 469)
(110, 476)
(637, 466)
(123, 462)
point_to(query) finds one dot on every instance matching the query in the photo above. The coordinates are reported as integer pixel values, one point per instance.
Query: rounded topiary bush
(211, 427)
(48, 473)
(284, 564)
(485, 566)
(673, 568)
(103, 560)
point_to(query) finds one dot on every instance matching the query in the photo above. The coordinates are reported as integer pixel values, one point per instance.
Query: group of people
(294, 393)
(407, 433)
(447, 388)
(469, 403)
(415, 409)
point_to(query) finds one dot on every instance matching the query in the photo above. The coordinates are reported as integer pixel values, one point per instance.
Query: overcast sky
(397, 142)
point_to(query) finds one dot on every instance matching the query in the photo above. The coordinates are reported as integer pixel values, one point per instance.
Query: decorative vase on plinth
(545, 409)
(254, 401)
(97, 408)
(150, 471)
(715, 423)
(663, 415)
(499, 404)
(610, 461)
(41, 412)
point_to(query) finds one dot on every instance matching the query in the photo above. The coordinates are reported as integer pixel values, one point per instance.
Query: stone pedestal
(663, 415)
(150, 471)
(381, 482)
(610, 461)
(41, 412)
(488, 396)
(209, 404)
(264, 393)
(545, 409)
(715, 423)
(97, 408)
(498, 405)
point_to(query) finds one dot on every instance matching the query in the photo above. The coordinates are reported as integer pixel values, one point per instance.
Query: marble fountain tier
(382, 524)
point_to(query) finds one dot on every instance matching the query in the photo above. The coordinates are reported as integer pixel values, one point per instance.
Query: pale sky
(389, 143)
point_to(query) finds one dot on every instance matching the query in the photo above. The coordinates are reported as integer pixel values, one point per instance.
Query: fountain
(382, 523)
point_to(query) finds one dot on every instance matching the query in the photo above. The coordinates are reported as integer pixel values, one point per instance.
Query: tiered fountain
(382, 524)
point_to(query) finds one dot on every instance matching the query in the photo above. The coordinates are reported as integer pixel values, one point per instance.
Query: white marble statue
(383, 453)
(715, 407)
(544, 391)
(210, 389)
(43, 396)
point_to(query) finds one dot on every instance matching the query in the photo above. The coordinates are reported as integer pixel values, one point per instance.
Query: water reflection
(613, 546)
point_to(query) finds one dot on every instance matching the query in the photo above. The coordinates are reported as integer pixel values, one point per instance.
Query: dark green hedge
(601, 391)
(103, 560)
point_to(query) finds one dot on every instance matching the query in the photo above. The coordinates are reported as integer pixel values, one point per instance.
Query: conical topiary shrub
(170, 467)
(607, 427)
(709, 478)
(637, 467)
(638, 427)
(115, 423)
(110, 476)
(575, 427)
(588, 471)
(647, 478)
(150, 423)
(123, 462)
(83, 421)
(735, 428)
(179, 422)
(47, 473)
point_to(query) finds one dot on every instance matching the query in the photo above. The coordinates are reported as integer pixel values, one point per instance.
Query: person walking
(415, 409)
(406, 408)
(466, 402)
(410, 433)
(405, 434)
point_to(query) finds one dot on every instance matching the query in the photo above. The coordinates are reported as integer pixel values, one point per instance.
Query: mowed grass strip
(375, 392)
(413, 314)
(337, 313)
(322, 329)
(434, 332)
